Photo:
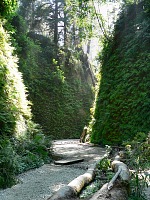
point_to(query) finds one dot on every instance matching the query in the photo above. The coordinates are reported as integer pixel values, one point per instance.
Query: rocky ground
(41, 183)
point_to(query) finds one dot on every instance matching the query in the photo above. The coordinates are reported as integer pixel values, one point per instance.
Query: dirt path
(41, 183)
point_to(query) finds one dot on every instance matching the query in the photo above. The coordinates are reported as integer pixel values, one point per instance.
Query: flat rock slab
(68, 162)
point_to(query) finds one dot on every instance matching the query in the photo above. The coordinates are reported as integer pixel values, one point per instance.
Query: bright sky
(109, 12)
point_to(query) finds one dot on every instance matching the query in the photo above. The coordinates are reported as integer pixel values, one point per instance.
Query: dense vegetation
(58, 81)
(123, 100)
(57, 73)
(22, 144)
(52, 75)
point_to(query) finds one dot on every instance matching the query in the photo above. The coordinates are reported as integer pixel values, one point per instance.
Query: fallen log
(121, 170)
(111, 183)
(74, 187)
(118, 187)
(63, 193)
(68, 162)
(118, 192)
(83, 180)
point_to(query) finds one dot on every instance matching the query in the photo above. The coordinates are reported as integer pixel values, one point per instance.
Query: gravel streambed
(41, 183)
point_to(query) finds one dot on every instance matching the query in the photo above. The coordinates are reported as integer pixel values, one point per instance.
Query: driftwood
(117, 188)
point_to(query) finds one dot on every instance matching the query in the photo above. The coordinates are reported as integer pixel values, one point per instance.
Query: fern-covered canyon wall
(58, 86)
(22, 144)
(60, 92)
(15, 113)
(47, 83)
(59, 77)
(123, 101)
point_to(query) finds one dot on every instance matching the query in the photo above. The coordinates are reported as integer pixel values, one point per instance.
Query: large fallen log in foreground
(117, 188)
(71, 190)
(63, 193)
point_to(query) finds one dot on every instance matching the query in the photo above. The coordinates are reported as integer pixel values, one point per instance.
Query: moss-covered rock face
(15, 111)
(123, 102)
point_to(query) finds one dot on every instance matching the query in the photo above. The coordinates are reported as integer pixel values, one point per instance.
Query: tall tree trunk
(65, 26)
(56, 23)
(88, 46)
(32, 16)
(73, 35)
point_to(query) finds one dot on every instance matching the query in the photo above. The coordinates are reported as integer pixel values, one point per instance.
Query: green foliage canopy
(7, 7)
